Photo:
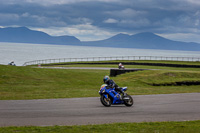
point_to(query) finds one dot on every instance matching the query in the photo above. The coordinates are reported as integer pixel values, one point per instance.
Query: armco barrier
(87, 59)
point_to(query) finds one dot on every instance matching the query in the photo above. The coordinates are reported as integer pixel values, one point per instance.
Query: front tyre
(129, 102)
(105, 101)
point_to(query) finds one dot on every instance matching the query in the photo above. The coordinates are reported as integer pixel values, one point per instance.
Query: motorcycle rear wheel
(106, 101)
(129, 102)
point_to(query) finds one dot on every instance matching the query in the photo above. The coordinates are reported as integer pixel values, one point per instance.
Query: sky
(90, 20)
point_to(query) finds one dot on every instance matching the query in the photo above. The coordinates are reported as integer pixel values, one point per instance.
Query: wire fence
(87, 59)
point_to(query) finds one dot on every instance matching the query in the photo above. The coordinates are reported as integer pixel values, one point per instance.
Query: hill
(25, 35)
(145, 40)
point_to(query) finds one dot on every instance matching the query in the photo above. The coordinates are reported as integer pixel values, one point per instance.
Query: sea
(24, 52)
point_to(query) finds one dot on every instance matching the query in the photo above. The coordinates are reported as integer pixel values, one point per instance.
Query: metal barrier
(61, 60)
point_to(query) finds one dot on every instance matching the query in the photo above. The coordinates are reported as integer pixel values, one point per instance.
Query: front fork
(106, 96)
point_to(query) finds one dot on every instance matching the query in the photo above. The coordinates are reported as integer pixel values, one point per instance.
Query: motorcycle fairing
(111, 91)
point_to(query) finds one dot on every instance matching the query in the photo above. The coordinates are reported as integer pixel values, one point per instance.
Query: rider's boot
(124, 96)
(121, 96)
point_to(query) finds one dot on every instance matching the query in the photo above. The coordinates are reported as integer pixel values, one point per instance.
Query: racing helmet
(106, 79)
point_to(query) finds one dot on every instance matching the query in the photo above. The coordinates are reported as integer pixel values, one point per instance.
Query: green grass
(146, 127)
(140, 83)
(34, 83)
(77, 64)
(127, 66)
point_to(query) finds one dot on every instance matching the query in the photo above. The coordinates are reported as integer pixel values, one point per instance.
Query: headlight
(102, 91)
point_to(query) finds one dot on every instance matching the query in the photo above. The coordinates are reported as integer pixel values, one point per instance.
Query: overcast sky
(100, 19)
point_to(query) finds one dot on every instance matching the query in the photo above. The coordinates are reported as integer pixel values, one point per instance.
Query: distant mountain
(145, 40)
(25, 35)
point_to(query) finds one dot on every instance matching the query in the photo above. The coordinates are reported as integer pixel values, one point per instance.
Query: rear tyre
(129, 102)
(106, 101)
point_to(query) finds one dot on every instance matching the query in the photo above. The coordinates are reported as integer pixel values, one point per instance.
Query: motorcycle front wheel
(105, 101)
(129, 102)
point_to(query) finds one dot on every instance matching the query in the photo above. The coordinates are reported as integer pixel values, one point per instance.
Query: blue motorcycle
(110, 97)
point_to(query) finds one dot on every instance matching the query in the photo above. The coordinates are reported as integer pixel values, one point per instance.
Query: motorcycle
(110, 97)
(121, 67)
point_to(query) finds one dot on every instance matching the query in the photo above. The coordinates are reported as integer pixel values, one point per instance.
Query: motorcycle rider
(120, 65)
(112, 84)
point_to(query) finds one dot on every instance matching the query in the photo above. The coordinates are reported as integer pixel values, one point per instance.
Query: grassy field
(77, 64)
(34, 83)
(147, 127)
(128, 66)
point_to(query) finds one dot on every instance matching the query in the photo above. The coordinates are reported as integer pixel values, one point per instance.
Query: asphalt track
(82, 111)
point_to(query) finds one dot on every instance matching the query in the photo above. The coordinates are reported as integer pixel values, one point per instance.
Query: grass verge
(18, 83)
(146, 127)
(33, 83)
(145, 64)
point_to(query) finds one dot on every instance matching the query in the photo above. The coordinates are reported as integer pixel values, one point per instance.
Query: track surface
(81, 111)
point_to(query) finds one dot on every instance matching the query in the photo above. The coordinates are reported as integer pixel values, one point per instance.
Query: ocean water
(21, 52)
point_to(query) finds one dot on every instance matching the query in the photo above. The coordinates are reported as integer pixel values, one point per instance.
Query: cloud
(83, 17)
(137, 23)
(126, 13)
(9, 17)
(52, 2)
(84, 32)
(196, 2)
(110, 20)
